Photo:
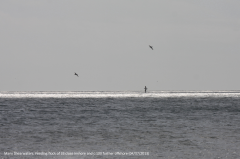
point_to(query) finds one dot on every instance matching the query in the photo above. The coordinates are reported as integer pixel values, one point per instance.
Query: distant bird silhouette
(76, 74)
(151, 47)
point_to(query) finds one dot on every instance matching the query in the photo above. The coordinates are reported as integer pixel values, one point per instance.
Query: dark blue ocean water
(160, 124)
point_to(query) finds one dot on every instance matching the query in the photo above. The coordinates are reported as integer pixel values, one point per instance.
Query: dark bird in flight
(76, 74)
(151, 47)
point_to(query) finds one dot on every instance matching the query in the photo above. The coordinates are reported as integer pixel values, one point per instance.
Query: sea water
(157, 124)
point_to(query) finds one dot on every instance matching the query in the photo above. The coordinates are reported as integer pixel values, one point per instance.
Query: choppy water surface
(187, 125)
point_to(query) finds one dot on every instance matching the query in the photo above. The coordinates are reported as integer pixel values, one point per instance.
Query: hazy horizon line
(116, 90)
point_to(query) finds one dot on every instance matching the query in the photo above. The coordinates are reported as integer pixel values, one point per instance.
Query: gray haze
(196, 45)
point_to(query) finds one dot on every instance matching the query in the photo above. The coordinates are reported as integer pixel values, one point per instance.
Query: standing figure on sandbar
(145, 89)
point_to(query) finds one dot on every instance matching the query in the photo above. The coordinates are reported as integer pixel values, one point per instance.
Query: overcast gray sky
(43, 42)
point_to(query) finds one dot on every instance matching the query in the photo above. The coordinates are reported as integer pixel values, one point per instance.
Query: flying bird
(151, 47)
(76, 74)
